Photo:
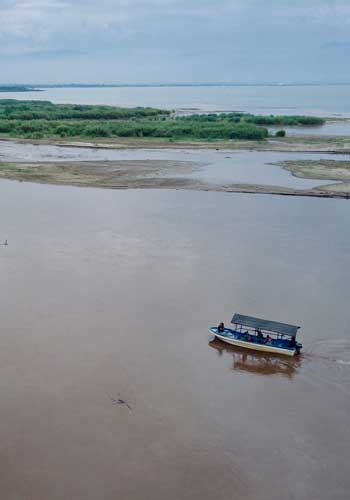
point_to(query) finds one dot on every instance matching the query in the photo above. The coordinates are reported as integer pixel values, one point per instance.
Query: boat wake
(327, 361)
(337, 350)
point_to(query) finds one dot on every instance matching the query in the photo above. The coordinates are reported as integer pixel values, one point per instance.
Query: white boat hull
(254, 346)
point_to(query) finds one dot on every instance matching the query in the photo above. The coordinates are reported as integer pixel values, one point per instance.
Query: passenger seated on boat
(268, 339)
(292, 342)
(221, 327)
(259, 335)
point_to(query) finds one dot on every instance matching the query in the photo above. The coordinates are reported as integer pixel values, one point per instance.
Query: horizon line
(173, 84)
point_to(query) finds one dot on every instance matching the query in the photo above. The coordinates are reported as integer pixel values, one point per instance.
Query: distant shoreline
(18, 88)
(37, 86)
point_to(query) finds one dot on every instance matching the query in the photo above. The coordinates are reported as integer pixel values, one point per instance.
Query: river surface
(111, 386)
(328, 100)
(335, 128)
(215, 167)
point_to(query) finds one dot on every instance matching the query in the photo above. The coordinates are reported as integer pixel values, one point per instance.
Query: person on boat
(292, 342)
(221, 327)
(268, 338)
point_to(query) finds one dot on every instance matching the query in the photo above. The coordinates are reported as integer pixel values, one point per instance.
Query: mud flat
(121, 174)
(161, 174)
(332, 170)
(302, 143)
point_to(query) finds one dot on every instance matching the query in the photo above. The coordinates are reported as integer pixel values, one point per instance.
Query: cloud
(228, 37)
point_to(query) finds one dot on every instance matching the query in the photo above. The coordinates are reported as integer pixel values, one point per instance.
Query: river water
(319, 100)
(111, 386)
(329, 100)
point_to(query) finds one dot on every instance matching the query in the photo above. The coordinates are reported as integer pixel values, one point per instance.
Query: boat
(260, 335)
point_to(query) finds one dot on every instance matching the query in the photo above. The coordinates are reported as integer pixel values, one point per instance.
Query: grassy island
(45, 120)
(264, 120)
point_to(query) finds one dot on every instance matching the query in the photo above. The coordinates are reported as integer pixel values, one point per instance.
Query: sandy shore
(332, 170)
(302, 143)
(121, 174)
(141, 174)
(155, 174)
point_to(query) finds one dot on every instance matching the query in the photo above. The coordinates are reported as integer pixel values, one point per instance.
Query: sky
(179, 41)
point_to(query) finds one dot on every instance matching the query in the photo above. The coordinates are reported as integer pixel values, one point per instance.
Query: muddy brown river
(111, 386)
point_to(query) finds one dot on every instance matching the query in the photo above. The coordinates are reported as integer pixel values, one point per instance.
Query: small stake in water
(120, 401)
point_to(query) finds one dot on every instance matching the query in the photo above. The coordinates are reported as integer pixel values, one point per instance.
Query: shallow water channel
(111, 386)
(216, 167)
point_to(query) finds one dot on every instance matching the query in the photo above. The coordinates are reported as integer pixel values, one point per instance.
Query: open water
(111, 386)
(329, 100)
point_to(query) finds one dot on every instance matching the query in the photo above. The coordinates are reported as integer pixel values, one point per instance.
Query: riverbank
(154, 174)
(297, 144)
(17, 88)
(331, 170)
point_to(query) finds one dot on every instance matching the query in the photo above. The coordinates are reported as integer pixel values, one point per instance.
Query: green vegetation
(11, 109)
(280, 133)
(268, 120)
(11, 167)
(285, 120)
(45, 120)
(40, 129)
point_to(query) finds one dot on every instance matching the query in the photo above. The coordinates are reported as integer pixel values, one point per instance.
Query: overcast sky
(174, 40)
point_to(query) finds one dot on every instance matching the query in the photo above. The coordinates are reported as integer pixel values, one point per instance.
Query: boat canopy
(263, 324)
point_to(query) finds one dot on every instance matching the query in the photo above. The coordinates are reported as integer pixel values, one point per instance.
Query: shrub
(26, 118)
(280, 133)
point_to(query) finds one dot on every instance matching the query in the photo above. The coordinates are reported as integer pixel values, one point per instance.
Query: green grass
(10, 167)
